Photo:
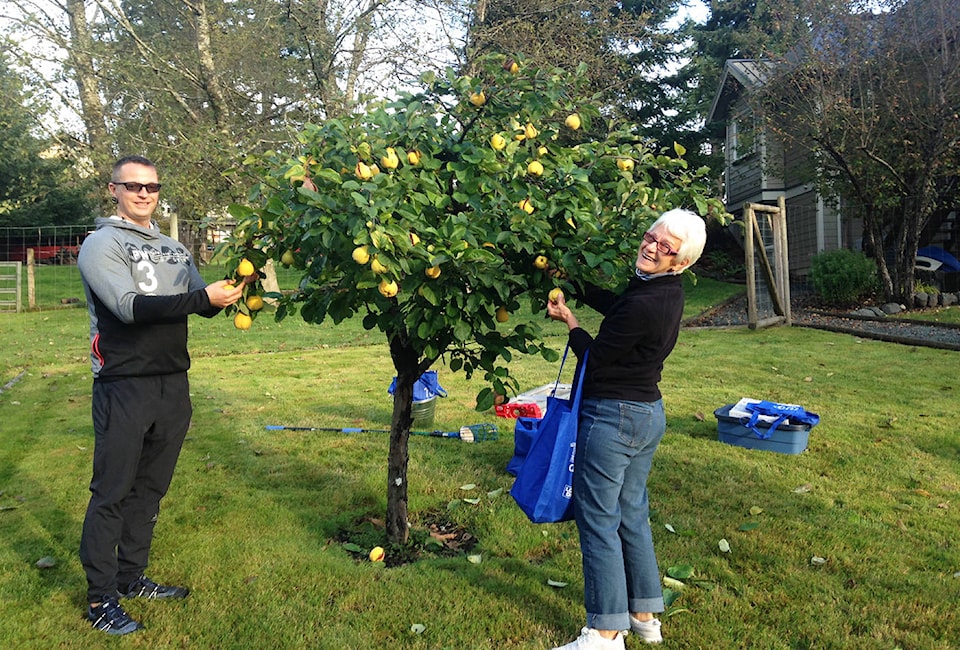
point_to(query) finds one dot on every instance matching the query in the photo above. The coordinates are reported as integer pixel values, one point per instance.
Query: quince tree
(454, 227)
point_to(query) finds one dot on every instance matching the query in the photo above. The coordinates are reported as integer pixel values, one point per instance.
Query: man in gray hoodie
(140, 286)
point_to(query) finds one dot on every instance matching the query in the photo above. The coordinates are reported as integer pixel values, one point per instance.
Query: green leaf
(485, 399)
(748, 525)
(329, 175)
(669, 597)
(680, 571)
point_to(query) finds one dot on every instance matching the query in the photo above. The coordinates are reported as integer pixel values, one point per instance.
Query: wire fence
(49, 277)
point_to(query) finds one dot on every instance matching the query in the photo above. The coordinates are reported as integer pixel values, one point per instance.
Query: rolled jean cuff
(652, 605)
(619, 622)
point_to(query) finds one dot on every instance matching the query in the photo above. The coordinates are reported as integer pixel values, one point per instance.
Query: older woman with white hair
(621, 423)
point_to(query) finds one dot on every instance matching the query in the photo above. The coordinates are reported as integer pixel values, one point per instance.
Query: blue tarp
(425, 388)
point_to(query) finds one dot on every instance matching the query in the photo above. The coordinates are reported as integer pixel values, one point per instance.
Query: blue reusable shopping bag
(544, 480)
(792, 413)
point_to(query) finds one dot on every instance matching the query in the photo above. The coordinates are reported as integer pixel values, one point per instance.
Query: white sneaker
(590, 639)
(649, 631)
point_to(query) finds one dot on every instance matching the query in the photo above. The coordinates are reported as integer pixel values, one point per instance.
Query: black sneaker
(109, 617)
(144, 587)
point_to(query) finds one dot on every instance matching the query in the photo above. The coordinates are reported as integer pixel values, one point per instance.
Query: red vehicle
(54, 254)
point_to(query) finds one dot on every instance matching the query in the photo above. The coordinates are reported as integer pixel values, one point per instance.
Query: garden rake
(469, 433)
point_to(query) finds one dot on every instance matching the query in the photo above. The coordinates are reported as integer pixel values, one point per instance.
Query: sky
(696, 9)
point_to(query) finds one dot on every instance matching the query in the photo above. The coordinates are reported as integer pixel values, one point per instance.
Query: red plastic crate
(519, 410)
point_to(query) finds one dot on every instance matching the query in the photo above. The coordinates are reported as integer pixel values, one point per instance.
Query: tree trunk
(80, 58)
(208, 68)
(405, 361)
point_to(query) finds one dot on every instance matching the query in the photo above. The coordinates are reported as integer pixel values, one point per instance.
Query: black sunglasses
(152, 188)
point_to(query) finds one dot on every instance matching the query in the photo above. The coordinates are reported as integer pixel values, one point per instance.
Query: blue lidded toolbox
(785, 439)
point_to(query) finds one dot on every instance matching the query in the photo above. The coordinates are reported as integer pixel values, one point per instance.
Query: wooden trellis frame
(776, 275)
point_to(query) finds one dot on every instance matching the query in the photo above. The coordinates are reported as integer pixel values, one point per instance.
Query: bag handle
(578, 395)
(575, 399)
(556, 384)
(752, 425)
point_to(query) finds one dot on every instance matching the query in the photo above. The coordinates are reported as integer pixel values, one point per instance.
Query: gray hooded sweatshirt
(140, 285)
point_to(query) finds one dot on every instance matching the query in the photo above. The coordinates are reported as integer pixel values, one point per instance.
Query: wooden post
(174, 226)
(31, 281)
(784, 259)
(749, 221)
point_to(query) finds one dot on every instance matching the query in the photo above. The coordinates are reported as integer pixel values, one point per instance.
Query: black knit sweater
(638, 331)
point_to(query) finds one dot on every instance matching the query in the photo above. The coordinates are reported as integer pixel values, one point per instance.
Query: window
(741, 135)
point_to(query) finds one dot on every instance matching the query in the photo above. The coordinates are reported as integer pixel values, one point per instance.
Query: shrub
(923, 287)
(843, 277)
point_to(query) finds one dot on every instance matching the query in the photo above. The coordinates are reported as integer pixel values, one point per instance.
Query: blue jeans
(615, 445)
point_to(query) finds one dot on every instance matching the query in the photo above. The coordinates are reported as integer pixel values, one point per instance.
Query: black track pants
(139, 424)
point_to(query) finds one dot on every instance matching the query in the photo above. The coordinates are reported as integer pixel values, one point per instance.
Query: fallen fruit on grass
(242, 321)
(555, 294)
(432, 272)
(245, 268)
(254, 302)
(388, 288)
(540, 262)
(572, 121)
(502, 315)
(377, 554)
(360, 255)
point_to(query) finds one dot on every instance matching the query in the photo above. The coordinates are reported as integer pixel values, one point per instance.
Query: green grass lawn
(851, 544)
(937, 314)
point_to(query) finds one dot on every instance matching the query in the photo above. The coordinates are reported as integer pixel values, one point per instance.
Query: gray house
(760, 168)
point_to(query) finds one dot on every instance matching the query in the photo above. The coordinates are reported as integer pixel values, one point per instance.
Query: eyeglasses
(152, 188)
(662, 248)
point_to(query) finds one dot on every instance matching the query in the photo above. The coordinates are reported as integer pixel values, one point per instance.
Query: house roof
(746, 73)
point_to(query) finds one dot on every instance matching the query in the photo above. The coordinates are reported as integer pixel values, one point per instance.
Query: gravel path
(895, 330)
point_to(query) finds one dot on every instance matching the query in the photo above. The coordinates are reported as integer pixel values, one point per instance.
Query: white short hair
(689, 228)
